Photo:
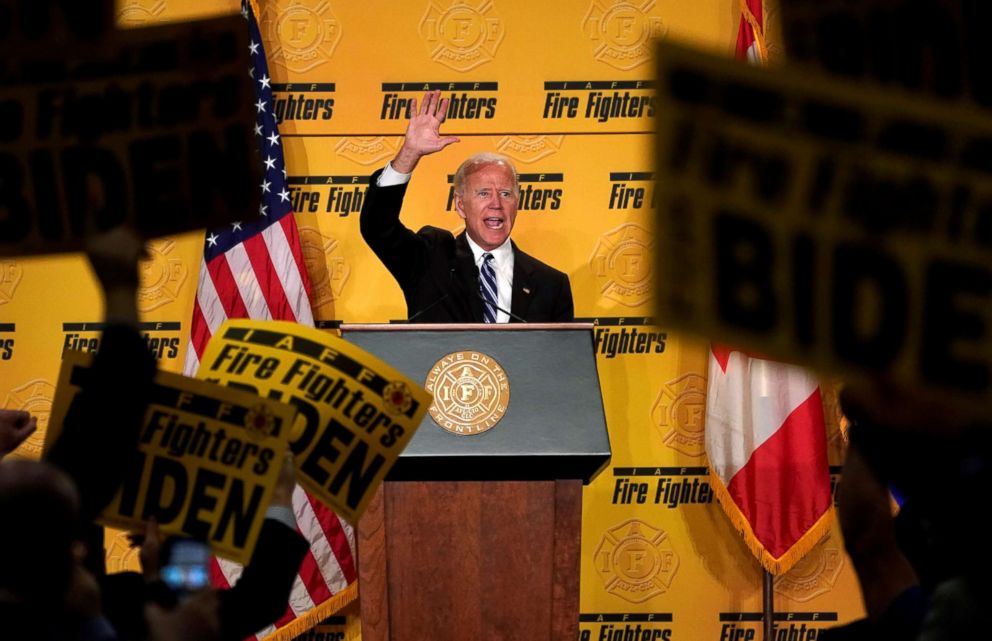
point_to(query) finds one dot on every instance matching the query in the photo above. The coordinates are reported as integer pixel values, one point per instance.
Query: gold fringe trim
(759, 31)
(258, 14)
(793, 555)
(301, 624)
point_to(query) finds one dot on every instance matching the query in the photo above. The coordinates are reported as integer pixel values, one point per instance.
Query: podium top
(512, 401)
(450, 327)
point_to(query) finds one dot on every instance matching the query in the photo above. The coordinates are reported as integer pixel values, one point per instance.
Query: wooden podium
(477, 537)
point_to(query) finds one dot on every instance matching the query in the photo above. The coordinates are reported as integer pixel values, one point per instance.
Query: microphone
(451, 275)
(505, 311)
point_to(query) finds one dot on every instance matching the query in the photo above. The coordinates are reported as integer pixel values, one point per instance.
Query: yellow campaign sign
(826, 222)
(207, 460)
(118, 123)
(357, 413)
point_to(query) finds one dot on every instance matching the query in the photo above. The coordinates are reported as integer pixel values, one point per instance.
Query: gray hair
(474, 163)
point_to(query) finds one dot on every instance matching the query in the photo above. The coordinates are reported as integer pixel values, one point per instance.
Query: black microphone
(451, 275)
(507, 312)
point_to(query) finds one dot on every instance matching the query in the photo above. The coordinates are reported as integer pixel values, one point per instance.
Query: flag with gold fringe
(765, 433)
(256, 270)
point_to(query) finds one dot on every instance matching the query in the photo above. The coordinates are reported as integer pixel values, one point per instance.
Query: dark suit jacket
(437, 271)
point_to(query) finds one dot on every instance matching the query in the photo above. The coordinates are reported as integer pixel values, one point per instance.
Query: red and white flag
(765, 434)
(767, 446)
(751, 33)
(256, 270)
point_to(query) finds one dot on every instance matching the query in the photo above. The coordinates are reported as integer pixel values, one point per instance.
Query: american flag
(256, 270)
(765, 434)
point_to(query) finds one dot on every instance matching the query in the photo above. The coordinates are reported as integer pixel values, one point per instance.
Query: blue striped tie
(488, 286)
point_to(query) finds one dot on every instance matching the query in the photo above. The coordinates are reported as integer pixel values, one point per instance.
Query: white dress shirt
(502, 255)
(390, 177)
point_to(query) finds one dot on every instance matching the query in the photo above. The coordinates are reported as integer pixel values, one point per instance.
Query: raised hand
(114, 255)
(15, 427)
(422, 133)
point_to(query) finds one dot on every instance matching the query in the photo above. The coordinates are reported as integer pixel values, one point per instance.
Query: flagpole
(768, 605)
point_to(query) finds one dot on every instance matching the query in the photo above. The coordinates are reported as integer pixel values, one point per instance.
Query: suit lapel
(523, 283)
(467, 275)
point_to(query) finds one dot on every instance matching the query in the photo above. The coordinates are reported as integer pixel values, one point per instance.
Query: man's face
(488, 205)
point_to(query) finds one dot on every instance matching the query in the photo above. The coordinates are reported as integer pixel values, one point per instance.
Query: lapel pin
(526, 290)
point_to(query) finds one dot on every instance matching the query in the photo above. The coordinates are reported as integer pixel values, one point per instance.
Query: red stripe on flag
(331, 524)
(745, 38)
(722, 355)
(783, 481)
(287, 616)
(313, 579)
(292, 232)
(200, 331)
(227, 288)
(216, 575)
(268, 279)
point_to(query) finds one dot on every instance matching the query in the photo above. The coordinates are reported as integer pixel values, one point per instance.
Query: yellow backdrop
(564, 89)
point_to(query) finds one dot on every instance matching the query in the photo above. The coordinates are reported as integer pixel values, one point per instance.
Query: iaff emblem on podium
(471, 392)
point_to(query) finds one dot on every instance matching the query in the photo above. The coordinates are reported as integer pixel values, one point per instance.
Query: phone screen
(186, 568)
